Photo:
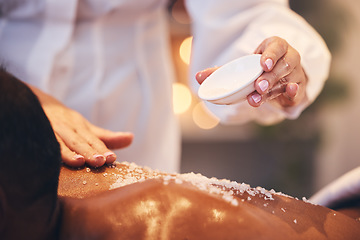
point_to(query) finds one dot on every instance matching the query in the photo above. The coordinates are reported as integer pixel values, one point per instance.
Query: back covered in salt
(149, 204)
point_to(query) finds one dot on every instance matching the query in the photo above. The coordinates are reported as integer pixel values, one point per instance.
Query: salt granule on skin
(178, 181)
(234, 202)
(307, 201)
(210, 185)
(250, 192)
(223, 187)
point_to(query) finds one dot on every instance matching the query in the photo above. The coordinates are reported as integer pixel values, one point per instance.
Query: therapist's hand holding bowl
(283, 81)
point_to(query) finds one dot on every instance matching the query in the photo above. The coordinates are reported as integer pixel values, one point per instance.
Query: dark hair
(30, 156)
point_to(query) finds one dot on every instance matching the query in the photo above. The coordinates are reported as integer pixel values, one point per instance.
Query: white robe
(110, 60)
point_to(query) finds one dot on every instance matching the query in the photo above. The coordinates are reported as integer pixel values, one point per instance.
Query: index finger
(202, 75)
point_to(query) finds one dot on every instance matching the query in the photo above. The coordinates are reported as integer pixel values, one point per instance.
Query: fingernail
(292, 90)
(110, 157)
(256, 97)
(78, 157)
(263, 85)
(269, 63)
(99, 158)
(293, 86)
(199, 74)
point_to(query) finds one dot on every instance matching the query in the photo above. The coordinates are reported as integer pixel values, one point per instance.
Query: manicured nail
(199, 75)
(293, 86)
(256, 97)
(78, 157)
(99, 158)
(110, 157)
(263, 84)
(292, 89)
(269, 63)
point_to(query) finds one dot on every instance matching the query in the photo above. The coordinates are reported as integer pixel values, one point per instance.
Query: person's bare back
(126, 201)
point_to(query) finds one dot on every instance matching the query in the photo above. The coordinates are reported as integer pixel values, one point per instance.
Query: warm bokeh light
(202, 118)
(185, 50)
(181, 98)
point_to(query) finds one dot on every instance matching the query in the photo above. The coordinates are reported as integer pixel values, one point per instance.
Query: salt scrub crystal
(210, 185)
(178, 181)
(234, 202)
(307, 201)
(281, 194)
(130, 173)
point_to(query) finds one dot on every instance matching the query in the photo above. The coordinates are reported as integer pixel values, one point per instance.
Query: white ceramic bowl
(232, 82)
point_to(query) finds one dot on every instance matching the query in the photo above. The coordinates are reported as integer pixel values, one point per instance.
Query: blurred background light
(202, 118)
(181, 98)
(185, 50)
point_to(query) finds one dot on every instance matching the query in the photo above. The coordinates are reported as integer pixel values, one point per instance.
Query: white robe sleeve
(227, 29)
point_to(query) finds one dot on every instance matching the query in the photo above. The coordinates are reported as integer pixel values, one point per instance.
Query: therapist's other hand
(80, 141)
(283, 80)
